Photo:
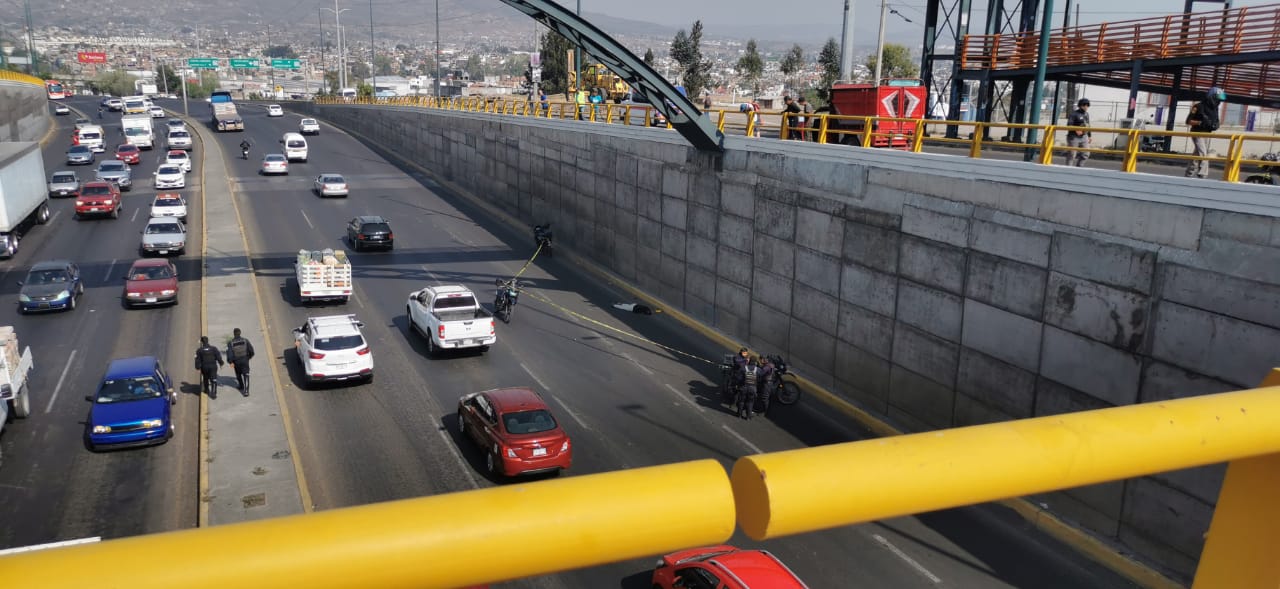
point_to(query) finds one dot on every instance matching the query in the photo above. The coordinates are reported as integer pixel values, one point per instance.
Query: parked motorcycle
(505, 301)
(1269, 175)
(542, 237)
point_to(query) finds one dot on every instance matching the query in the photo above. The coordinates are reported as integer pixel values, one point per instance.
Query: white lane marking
(433, 276)
(682, 397)
(638, 364)
(572, 413)
(355, 296)
(58, 387)
(535, 377)
(466, 468)
(306, 218)
(22, 549)
(744, 440)
(907, 559)
(135, 215)
(54, 217)
(110, 267)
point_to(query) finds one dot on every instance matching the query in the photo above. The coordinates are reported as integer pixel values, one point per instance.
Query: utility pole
(437, 50)
(577, 62)
(846, 43)
(270, 62)
(884, 10)
(323, 71)
(31, 44)
(373, 57)
(342, 55)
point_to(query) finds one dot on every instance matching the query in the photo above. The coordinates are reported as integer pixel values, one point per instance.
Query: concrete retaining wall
(932, 290)
(25, 115)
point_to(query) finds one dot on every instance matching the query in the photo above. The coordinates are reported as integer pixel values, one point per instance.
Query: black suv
(370, 231)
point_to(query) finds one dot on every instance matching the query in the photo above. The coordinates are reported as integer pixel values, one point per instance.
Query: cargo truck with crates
(323, 275)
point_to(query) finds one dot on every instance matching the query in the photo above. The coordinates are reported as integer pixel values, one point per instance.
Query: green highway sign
(206, 63)
(245, 63)
(288, 64)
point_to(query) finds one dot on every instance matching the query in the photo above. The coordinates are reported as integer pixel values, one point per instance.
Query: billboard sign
(91, 57)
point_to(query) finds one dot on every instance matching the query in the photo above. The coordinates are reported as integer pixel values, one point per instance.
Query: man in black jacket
(1203, 118)
(239, 353)
(1079, 138)
(207, 361)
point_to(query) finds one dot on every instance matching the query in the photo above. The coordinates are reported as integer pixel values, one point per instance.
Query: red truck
(98, 198)
(894, 99)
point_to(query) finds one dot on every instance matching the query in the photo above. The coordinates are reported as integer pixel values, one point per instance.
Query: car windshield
(529, 422)
(458, 302)
(95, 191)
(168, 202)
(127, 149)
(177, 155)
(380, 228)
(129, 389)
(89, 135)
(135, 131)
(169, 170)
(39, 277)
(78, 149)
(178, 134)
(63, 178)
(150, 273)
(308, 121)
(157, 228)
(339, 342)
(274, 158)
(112, 167)
(333, 180)
(296, 144)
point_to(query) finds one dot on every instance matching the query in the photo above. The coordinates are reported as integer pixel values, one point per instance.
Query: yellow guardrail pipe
(812, 489)
(444, 541)
(13, 76)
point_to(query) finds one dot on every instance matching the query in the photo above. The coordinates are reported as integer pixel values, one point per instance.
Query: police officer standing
(207, 361)
(239, 353)
(1079, 138)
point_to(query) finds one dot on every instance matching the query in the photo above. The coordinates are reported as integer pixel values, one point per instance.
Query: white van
(348, 94)
(295, 147)
(92, 136)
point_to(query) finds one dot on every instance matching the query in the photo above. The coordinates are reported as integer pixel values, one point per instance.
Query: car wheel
(71, 305)
(115, 213)
(44, 214)
(491, 463)
(462, 424)
(431, 346)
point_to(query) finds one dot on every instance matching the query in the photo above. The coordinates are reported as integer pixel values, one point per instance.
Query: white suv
(332, 349)
(309, 127)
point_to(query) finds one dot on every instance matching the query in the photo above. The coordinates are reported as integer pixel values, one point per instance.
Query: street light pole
(846, 43)
(577, 61)
(31, 44)
(437, 50)
(373, 56)
(884, 10)
(342, 55)
(323, 71)
(271, 62)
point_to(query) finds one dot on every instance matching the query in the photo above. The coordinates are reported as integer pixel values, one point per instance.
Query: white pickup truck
(14, 369)
(323, 275)
(450, 318)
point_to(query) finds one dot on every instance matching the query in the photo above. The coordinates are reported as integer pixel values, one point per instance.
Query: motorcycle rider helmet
(1216, 93)
(1082, 102)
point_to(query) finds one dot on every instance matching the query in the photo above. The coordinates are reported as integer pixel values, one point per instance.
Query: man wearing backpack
(239, 353)
(208, 359)
(1203, 118)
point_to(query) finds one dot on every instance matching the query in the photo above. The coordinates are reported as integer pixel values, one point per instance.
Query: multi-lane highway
(51, 487)
(624, 402)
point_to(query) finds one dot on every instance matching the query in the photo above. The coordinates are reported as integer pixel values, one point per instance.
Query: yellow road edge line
(202, 519)
(1079, 540)
(303, 490)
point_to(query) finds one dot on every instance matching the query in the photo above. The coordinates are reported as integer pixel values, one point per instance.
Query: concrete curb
(1079, 540)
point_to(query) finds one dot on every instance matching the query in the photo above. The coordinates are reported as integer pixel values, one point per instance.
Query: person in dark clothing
(207, 361)
(791, 109)
(1079, 139)
(747, 390)
(765, 384)
(239, 353)
(1203, 118)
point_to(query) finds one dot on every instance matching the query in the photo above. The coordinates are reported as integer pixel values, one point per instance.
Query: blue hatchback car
(132, 405)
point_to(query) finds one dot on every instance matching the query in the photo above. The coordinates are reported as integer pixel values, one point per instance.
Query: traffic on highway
(465, 391)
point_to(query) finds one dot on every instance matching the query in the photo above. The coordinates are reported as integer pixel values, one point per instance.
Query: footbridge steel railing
(490, 535)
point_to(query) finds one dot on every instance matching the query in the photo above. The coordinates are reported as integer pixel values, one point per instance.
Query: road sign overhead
(291, 64)
(202, 62)
(244, 63)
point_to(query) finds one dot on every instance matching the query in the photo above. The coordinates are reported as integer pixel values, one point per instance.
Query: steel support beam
(700, 131)
(952, 27)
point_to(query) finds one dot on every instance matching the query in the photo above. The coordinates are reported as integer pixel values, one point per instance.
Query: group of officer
(751, 380)
(208, 359)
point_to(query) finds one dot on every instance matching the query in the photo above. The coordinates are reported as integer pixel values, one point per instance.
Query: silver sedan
(275, 163)
(331, 185)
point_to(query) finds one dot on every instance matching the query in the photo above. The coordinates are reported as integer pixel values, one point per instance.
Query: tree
(792, 62)
(829, 63)
(280, 52)
(648, 57)
(364, 90)
(686, 50)
(897, 62)
(167, 80)
(114, 82)
(750, 66)
(555, 63)
(331, 82)
(383, 64)
(475, 67)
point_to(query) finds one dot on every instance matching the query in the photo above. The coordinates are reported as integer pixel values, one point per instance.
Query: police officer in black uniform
(239, 353)
(207, 361)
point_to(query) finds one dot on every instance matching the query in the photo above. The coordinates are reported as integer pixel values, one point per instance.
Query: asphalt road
(625, 403)
(51, 487)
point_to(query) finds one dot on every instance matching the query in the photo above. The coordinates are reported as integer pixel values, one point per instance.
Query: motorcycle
(542, 237)
(244, 153)
(1269, 173)
(776, 387)
(504, 302)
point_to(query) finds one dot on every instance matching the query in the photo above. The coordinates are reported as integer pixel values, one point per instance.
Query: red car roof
(515, 399)
(149, 262)
(756, 568)
(127, 147)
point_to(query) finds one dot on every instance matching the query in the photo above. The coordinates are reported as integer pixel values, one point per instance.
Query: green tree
(897, 62)
(648, 57)
(167, 80)
(113, 82)
(364, 90)
(358, 69)
(793, 62)
(686, 50)
(829, 63)
(331, 82)
(555, 63)
(280, 52)
(384, 65)
(474, 67)
(750, 66)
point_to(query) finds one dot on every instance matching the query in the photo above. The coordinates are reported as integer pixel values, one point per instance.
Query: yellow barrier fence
(12, 76)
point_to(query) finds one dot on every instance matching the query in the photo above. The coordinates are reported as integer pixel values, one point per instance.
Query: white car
(178, 158)
(156, 112)
(170, 176)
(178, 139)
(61, 109)
(169, 204)
(332, 348)
(274, 110)
(330, 185)
(176, 125)
(275, 163)
(309, 127)
(164, 236)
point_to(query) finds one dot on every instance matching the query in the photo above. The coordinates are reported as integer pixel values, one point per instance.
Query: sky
(827, 14)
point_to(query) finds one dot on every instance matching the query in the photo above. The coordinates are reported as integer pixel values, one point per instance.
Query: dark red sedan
(151, 281)
(129, 154)
(516, 430)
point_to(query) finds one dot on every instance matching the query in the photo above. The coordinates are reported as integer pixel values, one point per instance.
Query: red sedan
(516, 430)
(129, 154)
(151, 281)
(723, 567)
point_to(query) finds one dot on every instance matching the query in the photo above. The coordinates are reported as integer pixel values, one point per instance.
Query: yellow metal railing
(13, 76)
(831, 128)
(520, 530)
